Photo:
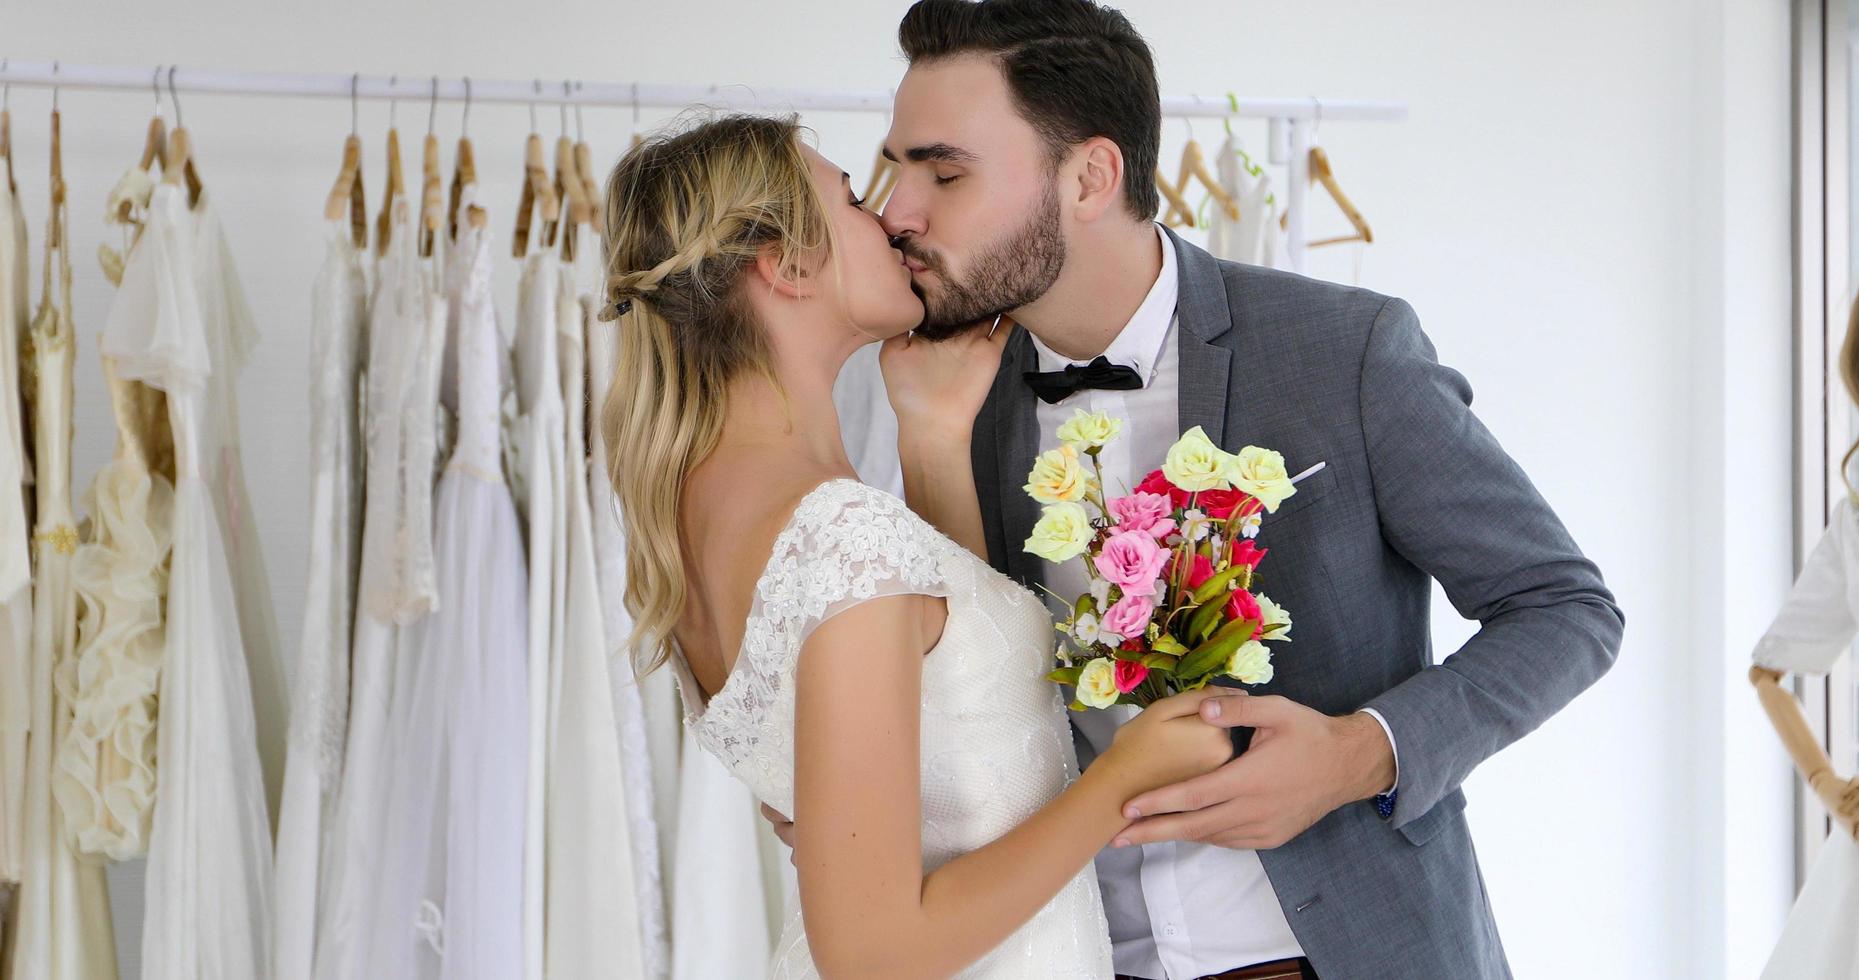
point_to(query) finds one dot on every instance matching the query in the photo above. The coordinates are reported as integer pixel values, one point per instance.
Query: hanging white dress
(447, 893)
(651, 763)
(1256, 238)
(406, 346)
(1815, 627)
(15, 559)
(209, 882)
(320, 685)
(539, 496)
(63, 930)
(594, 925)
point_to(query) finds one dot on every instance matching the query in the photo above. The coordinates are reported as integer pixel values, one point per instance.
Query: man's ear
(1098, 184)
(791, 282)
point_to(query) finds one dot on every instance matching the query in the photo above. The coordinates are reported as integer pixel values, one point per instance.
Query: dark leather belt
(1296, 969)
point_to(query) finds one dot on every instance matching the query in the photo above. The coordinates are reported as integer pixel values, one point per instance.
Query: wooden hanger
(180, 164)
(1322, 173)
(347, 194)
(569, 187)
(432, 186)
(538, 192)
(883, 180)
(464, 171)
(396, 181)
(1193, 168)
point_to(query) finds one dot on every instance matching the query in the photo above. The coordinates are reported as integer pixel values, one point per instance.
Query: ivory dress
(994, 744)
(179, 324)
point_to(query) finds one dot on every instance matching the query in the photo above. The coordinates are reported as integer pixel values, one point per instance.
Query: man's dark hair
(1076, 70)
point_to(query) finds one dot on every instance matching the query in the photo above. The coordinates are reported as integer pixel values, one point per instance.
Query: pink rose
(1144, 512)
(1131, 560)
(1129, 674)
(1130, 616)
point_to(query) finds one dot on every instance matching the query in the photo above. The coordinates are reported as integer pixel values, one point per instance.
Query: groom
(1336, 844)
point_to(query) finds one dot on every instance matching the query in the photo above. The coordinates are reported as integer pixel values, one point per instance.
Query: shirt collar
(1140, 343)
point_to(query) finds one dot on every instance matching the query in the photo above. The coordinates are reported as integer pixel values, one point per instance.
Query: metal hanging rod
(621, 94)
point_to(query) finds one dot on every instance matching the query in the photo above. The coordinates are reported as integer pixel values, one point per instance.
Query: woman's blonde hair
(687, 214)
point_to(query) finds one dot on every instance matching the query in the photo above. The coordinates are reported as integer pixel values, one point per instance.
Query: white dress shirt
(1176, 909)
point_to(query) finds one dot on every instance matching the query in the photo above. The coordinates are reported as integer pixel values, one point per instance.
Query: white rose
(1194, 463)
(1059, 476)
(1261, 473)
(1063, 532)
(1089, 430)
(1277, 620)
(1097, 684)
(1250, 664)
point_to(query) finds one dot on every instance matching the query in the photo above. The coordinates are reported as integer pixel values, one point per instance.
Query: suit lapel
(1018, 445)
(1203, 317)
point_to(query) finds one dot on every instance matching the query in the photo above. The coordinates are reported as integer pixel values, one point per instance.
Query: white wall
(1588, 208)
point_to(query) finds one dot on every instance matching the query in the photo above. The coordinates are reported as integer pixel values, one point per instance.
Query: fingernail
(1211, 707)
(1131, 812)
(1119, 842)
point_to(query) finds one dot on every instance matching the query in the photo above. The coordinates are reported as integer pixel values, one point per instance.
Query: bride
(856, 667)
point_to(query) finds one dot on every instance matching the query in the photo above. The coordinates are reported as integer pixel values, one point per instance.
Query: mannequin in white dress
(850, 663)
(1815, 627)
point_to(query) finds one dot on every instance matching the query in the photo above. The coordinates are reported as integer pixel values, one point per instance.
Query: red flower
(1220, 504)
(1156, 483)
(1247, 553)
(1244, 606)
(1129, 674)
(1200, 571)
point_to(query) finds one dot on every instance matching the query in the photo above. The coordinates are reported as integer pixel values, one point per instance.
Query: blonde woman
(857, 668)
(1815, 626)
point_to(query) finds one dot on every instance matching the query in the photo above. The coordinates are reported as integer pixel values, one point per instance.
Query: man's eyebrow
(943, 152)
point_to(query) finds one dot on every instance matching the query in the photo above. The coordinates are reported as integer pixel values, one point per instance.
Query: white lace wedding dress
(994, 743)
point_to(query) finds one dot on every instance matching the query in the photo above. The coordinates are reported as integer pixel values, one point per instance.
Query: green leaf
(1207, 658)
(1065, 675)
(1160, 661)
(1168, 644)
(1077, 706)
(1121, 654)
(1201, 625)
(1217, 585)
(1084, 605)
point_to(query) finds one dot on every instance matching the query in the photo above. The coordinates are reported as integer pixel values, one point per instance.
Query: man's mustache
(922, 256)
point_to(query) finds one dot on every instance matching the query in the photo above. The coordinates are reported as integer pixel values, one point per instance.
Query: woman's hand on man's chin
(937, 388)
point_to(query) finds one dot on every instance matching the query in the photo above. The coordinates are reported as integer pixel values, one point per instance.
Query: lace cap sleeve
(848, 543)
(1816, 622)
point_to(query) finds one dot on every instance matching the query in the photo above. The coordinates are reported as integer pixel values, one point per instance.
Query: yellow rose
(1097, 684)
(1250, 664)
(1194, 463)
(1261, 472)
(1272, 613)
(1059, 476)
(1063, 531)
(1089, 430)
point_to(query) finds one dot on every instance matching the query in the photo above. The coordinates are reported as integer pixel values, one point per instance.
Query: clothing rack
(1292, 121)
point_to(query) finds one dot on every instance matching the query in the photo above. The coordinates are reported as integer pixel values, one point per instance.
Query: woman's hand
(1168, 743)
(937, 388)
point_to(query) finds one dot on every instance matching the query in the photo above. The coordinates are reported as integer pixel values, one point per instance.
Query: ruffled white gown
(320, 687)
(994, 743)
(447, 891)
(179, 324)
(1814, 629)
(64, 930)
(594, 923)
(15, 558)
(105, 780)
(406, 348)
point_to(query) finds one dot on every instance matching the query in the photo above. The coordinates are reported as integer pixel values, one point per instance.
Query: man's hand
(1301, 765)
(784, 828)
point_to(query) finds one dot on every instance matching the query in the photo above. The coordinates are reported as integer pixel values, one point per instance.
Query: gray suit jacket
(1416, 489)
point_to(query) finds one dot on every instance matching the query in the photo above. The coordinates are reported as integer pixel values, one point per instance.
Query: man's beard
(1012, 273)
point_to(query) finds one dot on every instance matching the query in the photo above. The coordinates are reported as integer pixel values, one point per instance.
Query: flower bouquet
(1173, 565)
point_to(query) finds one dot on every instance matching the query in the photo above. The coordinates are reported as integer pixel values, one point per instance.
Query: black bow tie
(1053, 387)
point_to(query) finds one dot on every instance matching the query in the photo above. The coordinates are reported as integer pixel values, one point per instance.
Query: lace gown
(320, 687)
(406, 347)
(994, 742)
